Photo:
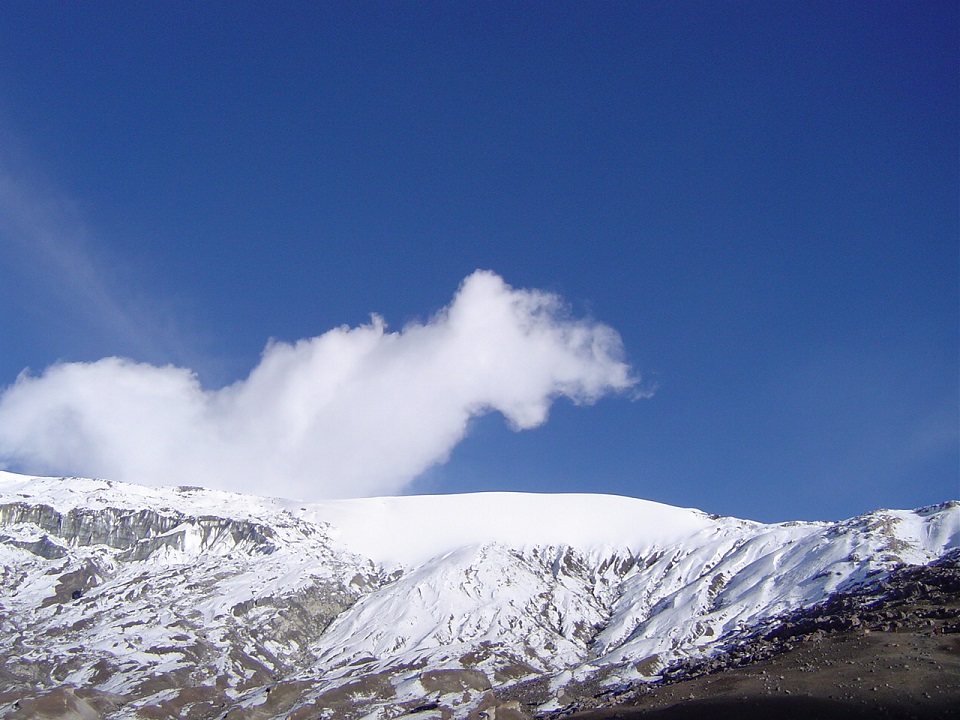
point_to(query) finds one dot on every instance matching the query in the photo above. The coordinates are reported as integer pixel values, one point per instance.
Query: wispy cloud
(60, 264)
(354, 411)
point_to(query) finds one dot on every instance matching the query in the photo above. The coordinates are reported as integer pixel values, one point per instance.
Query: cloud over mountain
(352, 412)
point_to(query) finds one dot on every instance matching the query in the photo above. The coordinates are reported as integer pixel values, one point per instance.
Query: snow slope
(375, 607)
(408, 531)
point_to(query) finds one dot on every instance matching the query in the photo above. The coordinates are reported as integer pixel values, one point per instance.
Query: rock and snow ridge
(183, 602)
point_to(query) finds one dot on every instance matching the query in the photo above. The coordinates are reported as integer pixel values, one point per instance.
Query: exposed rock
(913, 607)
(452, 681)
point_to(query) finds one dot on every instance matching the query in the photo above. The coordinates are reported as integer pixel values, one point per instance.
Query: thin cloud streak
(46, 244)
(352, 412)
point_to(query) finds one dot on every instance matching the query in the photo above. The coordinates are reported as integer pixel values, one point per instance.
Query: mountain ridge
(121, 591)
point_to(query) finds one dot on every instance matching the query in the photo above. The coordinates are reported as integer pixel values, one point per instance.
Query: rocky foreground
(887, 649)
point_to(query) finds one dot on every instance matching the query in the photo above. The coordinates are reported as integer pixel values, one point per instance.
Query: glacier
(123, 601)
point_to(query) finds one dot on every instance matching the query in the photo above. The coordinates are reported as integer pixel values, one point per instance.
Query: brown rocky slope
(888, 649)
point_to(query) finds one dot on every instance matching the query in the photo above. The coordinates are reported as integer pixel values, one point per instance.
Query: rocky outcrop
(139, 532)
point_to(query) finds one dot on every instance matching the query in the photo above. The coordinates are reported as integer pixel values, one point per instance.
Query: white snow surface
(562, 585)
(406, 530)
(410, 530)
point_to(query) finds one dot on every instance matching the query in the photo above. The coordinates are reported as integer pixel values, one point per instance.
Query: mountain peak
(389, 604)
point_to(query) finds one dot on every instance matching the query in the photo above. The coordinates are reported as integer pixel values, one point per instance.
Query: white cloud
(352, 412)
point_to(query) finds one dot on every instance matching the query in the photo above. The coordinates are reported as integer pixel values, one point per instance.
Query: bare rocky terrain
(890, 649)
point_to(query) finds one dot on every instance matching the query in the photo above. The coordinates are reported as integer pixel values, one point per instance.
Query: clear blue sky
(760, 197)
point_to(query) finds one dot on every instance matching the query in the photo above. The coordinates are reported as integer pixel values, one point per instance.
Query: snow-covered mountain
(124, 601)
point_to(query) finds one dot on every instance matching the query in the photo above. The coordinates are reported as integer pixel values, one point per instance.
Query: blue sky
(760, 198)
